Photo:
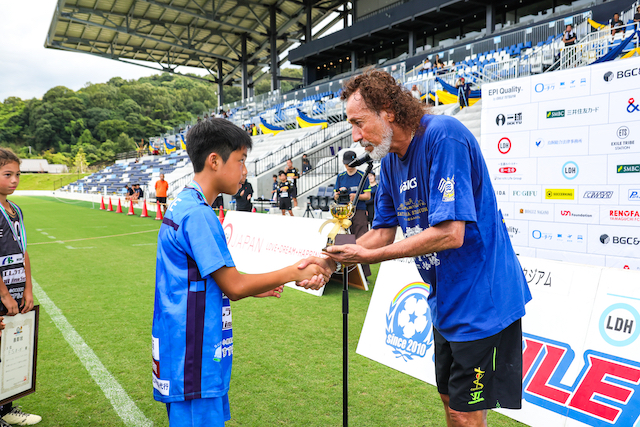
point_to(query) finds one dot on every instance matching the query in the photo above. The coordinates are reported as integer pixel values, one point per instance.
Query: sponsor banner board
(566, 256)
(619, 138)
(558, 236)
(263, 243)
(509, 92)
(512, 171)
(572, 170)
(507, 209)
(620, 215)
(614, 76)
(630, 194)
(533, 211)
(525, 193)
(518, 232)
(623, 169)
(502, 192)
(625, 263)
(561, 85)
(598, 194)
(559, 142)
(553, 195)
(614, 240)
(583, 111)
(505, 145)
(509, 119)
(577, 214)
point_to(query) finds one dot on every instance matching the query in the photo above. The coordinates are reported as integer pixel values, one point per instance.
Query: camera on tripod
(343, 196)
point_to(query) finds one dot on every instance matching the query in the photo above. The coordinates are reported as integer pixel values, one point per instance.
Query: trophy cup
(342, 214)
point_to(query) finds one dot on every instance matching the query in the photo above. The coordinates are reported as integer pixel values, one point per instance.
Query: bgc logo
(409, 332)
(632, 72)
(605, 393)
(617, 240)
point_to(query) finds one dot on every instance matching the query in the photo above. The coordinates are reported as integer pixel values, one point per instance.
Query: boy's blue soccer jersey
(478, 289)
(192, 336)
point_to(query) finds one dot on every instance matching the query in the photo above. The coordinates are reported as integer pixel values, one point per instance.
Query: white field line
(126, 409)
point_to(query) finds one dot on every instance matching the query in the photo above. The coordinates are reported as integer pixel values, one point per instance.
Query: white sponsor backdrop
(581, 353)
(263, 243)
(563, 153)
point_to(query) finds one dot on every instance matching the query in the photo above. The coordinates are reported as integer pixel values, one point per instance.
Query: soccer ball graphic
(412, 319)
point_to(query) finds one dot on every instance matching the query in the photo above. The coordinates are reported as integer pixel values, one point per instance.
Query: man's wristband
(338, 267)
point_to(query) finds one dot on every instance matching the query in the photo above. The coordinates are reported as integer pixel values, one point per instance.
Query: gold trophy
(342, 215)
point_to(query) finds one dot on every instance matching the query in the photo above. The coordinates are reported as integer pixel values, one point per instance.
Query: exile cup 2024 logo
(409, 332)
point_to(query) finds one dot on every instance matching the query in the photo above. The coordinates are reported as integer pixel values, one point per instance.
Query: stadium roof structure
(232, 39)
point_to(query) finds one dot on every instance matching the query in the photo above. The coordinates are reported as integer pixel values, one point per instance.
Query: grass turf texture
(45, 181)
(287, 356)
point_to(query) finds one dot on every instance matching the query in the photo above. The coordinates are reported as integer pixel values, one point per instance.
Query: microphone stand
(345, 317)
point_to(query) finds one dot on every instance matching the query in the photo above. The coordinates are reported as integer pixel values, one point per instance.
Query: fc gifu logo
(409, 331)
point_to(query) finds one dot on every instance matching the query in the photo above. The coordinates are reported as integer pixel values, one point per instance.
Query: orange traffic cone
(131, 212)
(110, 208)
(102, 208)
(221, 216)
(144, 214)
(119, 209)
(158, 212)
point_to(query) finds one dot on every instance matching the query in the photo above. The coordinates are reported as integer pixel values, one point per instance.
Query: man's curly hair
(381, 92)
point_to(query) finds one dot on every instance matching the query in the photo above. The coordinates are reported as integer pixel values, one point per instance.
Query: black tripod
(308, 213)
(345, 317)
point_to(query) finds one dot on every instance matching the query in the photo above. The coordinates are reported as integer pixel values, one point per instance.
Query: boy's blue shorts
(212, 412)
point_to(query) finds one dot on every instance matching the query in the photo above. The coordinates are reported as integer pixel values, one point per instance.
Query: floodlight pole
(345, 318)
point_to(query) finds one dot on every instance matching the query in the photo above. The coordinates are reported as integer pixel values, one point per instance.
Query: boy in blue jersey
(435, 185)
(196, 278)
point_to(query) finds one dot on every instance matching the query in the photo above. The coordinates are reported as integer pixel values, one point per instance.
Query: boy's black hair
(281, 173)
(7, 156)
(275, 176)
(218, 136)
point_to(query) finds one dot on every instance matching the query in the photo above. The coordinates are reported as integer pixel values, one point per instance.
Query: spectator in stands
(426, 64)
(415, 92)
(636, 17)
(617, 26)
(162, 187)
(130, 192)
(306, 165)
(138, 194)
(284, 198)
(371, 203)
(464, 90)
(274, 188)
(438, 62)
(434, 184)
(569, 36)
(349, 180)
(440, 69)
(292, 177)
(243, 196)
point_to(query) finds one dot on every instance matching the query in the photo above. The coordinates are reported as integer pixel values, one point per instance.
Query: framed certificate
(18, 355)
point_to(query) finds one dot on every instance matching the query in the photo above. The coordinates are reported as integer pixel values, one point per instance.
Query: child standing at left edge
(15, 296)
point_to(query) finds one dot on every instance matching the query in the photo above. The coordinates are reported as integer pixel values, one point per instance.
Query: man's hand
(272, 293)
(349, 254)
(352, 197)
(242, 193)
(249, 197)
(328, 267)
(10, 304)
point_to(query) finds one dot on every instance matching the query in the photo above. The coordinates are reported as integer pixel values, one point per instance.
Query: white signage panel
(561, 85)
(505, 145)
(583, 111)
(598, 194)
(576, 214)
(630, 194)
(560, 142)
(615, 76)
(533, 211)
(624, 169)
(614, 240)
(624, 106)
(518, 232)
(513, 171)
(620, 215)
(575, 257)
(557, 236)
(525, 193)
(615, 138)
(515, 118)
(572, 170)
(625, 263)
(509, 92)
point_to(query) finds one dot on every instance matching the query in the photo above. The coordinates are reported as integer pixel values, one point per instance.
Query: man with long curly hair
(435, 185)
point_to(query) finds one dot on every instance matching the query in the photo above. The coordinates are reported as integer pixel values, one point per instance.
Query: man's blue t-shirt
(351, 182)
(192, 336)
(478, 289)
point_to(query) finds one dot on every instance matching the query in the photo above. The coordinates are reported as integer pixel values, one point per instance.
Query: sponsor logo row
(611, 240)
(600, 195)
(565, 213)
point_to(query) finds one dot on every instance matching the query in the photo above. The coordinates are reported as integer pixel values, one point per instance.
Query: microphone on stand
(364, 158)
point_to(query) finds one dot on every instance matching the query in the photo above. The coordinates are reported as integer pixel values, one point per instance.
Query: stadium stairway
(470, 117)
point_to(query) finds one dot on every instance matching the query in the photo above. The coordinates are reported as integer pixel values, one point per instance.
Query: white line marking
(51, 237)
(143, 244)
(46, 234)
(88, 247)
(123, 405)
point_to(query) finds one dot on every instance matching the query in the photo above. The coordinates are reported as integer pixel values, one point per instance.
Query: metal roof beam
(130, 32)
(206, 17)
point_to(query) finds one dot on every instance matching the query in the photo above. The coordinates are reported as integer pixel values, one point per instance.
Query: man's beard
(382, 149)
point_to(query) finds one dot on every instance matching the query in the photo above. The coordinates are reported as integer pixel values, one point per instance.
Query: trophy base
(345, 239)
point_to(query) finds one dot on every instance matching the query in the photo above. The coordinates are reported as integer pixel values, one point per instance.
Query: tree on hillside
(80, 161)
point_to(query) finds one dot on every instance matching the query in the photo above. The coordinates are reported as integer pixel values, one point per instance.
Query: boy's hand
(272, 293)
(321, 270)
(27, 301)
(10, 304)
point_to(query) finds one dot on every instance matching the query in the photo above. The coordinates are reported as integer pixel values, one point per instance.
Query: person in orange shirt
(161, 193)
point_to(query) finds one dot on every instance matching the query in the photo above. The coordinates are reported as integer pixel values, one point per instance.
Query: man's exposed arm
(446, 235)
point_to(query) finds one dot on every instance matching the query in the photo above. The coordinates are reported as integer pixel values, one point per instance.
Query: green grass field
(288, 352)
(45, 181)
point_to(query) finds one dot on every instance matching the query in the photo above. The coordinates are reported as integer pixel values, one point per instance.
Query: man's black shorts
(481, 374)
(293, 192)
(285, 203)
(162, 200)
